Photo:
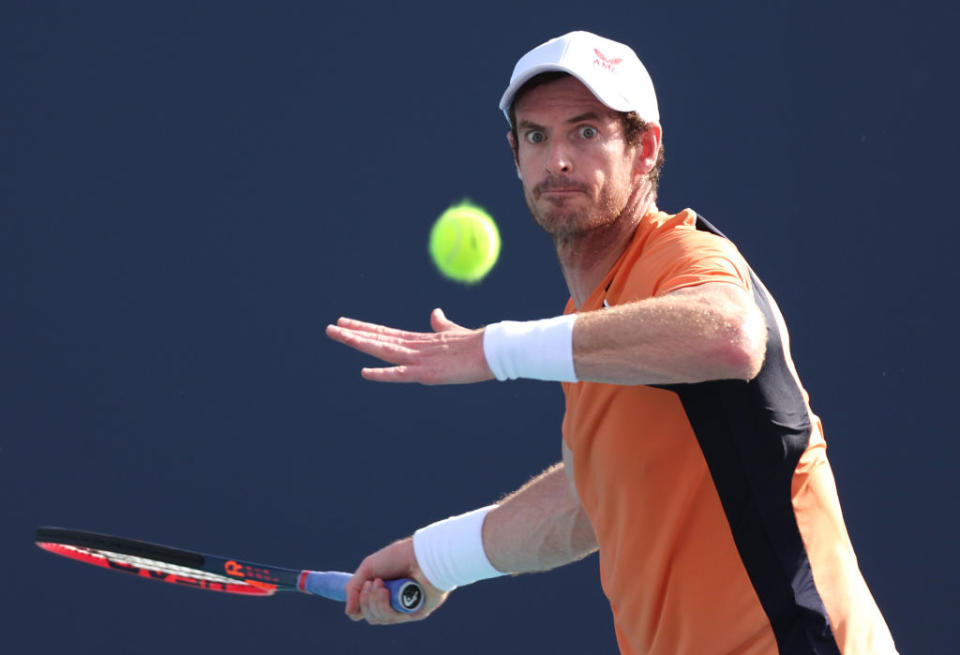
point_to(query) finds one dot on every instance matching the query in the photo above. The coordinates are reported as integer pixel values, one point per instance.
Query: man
(691, 458)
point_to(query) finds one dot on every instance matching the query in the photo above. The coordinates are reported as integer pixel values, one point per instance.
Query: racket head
(163, 563)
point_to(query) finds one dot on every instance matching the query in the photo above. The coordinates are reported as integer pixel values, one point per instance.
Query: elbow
(743, 346)
(744, 363)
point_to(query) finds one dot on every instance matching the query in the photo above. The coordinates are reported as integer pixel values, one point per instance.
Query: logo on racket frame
(237, 570)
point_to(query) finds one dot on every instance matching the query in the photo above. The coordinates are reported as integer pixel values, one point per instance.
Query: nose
(558, 161)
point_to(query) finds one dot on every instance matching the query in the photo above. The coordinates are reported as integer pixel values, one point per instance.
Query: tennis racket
(202, 571)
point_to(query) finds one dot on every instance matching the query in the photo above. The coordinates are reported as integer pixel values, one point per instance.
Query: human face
(578, 171)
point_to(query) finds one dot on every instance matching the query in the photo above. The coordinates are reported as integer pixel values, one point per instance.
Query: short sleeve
(686, 258)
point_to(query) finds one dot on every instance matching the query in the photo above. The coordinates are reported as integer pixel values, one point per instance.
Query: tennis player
(691, 458)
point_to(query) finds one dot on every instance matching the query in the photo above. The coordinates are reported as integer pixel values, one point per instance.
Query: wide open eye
(587, 132)
(535, 136)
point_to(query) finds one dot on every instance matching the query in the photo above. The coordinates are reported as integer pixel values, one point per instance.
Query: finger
(371, 603)
(354, 587)
(353, 600)
(390, 374)
(362, 326)
(380, 603)
(370, 610)
(365, 602)
(376, 345)
(352, 338)
(349, 335)
(381, 331)
(405, 374)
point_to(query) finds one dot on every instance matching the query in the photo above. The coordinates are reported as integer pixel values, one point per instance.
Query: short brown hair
(633, 126)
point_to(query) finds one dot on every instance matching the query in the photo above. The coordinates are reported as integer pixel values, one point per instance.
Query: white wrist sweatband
(542, 350)
(450, 552)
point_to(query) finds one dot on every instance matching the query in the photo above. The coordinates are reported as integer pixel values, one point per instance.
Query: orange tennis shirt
(713, 504)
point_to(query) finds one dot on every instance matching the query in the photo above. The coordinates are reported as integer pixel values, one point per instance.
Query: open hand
(451, 354)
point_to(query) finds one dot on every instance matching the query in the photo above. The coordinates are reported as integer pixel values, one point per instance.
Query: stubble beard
(564, 223)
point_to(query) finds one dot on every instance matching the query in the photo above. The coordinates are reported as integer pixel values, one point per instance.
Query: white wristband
(542, 350)
(450, 552)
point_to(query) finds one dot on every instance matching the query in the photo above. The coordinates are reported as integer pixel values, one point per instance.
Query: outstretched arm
(713, 331)
(541, 526)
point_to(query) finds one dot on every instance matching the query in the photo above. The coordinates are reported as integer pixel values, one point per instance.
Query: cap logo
(604, 63)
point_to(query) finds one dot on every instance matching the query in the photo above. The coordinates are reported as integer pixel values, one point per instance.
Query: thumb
(439, 321)
(352, 589)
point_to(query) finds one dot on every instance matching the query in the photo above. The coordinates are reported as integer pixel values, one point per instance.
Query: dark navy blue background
(191, 191)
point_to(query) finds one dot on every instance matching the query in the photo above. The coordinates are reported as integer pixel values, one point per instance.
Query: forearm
(713, 331)
(539, 527)
(682, 337)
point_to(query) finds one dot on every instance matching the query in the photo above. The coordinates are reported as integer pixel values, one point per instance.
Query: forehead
(560, 99)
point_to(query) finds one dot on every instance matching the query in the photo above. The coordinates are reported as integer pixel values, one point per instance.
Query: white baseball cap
(611, 70)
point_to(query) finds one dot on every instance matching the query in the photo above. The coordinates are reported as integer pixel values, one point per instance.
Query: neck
(586, 258)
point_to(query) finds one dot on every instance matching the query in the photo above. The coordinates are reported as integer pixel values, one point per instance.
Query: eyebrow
(586, 116)
(529, 125)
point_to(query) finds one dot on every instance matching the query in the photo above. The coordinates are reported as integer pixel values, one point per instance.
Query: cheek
(615, 182)
(524, 165)
(621, 169)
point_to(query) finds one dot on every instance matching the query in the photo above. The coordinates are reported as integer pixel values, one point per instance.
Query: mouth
(559, 191)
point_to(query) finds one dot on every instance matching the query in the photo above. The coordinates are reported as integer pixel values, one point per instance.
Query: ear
(648, 149)
(513, 148)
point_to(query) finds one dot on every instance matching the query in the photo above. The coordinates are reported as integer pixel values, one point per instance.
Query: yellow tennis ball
(464, 243)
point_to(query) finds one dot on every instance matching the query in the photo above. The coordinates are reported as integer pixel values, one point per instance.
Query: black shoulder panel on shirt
(752, 435)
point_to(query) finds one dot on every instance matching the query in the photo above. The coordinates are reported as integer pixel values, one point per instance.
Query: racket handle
(406, 595)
